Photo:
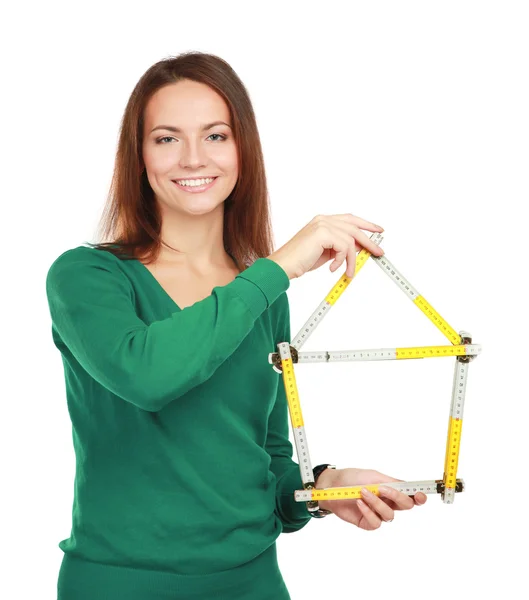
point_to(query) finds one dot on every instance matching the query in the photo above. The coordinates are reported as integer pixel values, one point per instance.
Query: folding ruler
(462, 348)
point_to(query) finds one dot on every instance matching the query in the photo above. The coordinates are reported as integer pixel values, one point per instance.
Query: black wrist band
(316, 472)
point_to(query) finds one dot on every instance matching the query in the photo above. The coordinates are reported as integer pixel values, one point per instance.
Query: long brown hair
(131, 219)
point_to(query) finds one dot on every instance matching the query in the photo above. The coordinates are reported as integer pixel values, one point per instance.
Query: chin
(198, 208)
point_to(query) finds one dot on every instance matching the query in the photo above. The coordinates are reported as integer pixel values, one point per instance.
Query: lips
(196, 188)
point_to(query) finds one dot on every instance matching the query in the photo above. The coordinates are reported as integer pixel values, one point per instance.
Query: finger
(420, 498)
(359, 237)
(342, 246)
(370, 517)
(378, 505)
(359, 221)
(349, 255)
(401, 501)
(341, 255)
(351, 261)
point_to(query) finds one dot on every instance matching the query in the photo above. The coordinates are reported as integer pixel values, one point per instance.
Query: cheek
(226, 159)
(231, 166)
(158, 161)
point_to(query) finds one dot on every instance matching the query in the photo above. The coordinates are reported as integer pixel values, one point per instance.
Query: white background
(410, 114)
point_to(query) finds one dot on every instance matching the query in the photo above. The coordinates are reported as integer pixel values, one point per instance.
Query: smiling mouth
(196, 188)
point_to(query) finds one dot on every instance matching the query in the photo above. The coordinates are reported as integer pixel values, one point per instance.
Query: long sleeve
(294, 515)
(91, 302)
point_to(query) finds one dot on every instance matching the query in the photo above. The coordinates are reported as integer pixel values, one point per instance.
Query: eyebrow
(178, 130)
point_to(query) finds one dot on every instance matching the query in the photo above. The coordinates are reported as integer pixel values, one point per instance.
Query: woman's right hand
(324, 238)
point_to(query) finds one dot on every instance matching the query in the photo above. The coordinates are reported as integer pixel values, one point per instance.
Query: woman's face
(181, 148)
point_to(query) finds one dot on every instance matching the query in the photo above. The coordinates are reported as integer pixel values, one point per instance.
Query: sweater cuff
(261, 284)
(296, 512)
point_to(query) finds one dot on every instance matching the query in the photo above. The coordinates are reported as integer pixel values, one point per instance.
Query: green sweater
(180, 425)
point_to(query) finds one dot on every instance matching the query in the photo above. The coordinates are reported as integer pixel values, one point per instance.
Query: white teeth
(194, 182)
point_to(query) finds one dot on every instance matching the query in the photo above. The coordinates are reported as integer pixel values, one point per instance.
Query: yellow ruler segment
(452, 454)
(340, 287)
(429, 351)
(437, 320)
(291, 389)
(343, 492)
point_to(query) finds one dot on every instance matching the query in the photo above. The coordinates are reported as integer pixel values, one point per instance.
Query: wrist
(326, 479)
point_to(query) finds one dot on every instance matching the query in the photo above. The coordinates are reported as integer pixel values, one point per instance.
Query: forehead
(186, 104)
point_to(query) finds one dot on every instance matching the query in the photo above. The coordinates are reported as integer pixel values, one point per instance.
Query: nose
(193, 154)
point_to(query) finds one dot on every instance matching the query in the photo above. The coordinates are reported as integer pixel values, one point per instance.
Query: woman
(184, 470)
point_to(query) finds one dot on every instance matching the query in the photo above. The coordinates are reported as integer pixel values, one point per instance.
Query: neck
(195, 241)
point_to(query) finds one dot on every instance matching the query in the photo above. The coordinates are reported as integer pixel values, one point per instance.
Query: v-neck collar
(143, 268)
(158, 284)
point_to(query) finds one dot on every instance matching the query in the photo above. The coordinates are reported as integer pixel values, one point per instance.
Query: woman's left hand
(370, 512)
